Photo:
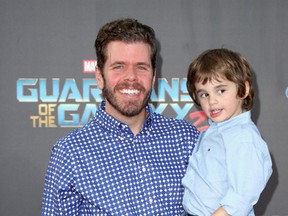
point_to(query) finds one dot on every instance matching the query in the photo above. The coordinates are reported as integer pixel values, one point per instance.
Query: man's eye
(142, 68)
(117, 67)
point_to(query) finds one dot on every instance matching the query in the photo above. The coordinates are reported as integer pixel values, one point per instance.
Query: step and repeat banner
(48, 85)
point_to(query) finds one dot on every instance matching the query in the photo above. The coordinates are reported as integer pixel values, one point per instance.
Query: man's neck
(135, 123)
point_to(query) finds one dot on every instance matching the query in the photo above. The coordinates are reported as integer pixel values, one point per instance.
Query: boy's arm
(249, 168)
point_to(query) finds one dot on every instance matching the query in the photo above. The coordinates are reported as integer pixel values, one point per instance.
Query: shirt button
(150, 200)
(144, 169)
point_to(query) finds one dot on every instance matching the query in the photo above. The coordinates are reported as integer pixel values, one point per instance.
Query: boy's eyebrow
(215, 87)
(199, 90)
(221, 86)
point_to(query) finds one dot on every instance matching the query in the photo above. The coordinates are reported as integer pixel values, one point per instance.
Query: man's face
(127, 78)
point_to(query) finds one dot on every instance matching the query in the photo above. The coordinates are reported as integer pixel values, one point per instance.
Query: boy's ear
(247, 89)
(195, 100)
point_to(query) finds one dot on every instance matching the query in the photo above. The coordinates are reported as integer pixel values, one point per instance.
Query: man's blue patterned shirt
(104, 169)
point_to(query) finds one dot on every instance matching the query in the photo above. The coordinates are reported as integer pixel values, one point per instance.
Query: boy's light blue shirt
(229, 167)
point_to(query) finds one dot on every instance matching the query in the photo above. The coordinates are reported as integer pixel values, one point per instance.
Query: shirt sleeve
(249, 168)
(60, 196)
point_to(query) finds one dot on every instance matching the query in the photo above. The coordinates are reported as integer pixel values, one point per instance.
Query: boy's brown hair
(221, 63)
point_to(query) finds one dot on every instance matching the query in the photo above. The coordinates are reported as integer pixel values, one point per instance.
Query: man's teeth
(130, 91)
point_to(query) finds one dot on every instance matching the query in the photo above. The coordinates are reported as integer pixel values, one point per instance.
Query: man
(127, 160)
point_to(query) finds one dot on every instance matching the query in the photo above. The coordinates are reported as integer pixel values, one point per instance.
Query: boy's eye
(221, 91)
(203, 95)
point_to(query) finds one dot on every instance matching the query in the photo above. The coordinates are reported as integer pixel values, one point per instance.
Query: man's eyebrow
(117, 62)
(143, 63)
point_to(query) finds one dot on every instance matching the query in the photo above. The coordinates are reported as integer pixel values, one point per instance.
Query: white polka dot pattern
(103, 169)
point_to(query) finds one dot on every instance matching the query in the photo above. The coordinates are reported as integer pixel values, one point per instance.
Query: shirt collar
(244, 117)
(114, 125)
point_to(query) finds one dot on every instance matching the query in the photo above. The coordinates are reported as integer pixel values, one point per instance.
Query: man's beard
(127, 108)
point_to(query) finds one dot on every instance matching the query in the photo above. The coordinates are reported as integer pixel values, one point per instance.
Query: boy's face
(219, 99)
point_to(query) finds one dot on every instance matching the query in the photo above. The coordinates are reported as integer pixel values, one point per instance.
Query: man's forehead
(118, 51)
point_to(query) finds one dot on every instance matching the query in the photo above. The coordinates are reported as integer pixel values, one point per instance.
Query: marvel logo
(89, 66)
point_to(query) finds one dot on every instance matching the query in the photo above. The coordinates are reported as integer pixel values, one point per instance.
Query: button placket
(144, 170)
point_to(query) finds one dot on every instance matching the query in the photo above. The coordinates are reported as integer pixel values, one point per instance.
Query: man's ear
(154, 78)
(99, 78)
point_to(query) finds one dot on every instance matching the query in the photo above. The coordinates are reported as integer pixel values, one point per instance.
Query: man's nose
(131, 74)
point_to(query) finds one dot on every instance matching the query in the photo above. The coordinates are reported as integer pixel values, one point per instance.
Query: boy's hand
(220, 212)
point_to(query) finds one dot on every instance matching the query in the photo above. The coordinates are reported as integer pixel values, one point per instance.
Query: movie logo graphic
(72, 103)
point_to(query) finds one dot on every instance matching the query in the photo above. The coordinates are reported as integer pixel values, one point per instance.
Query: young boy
(231, 164)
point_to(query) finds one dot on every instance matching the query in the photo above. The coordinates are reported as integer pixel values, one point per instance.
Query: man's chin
(131, 111)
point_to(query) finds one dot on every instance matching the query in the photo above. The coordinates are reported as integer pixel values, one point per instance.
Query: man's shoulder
(76, 135)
